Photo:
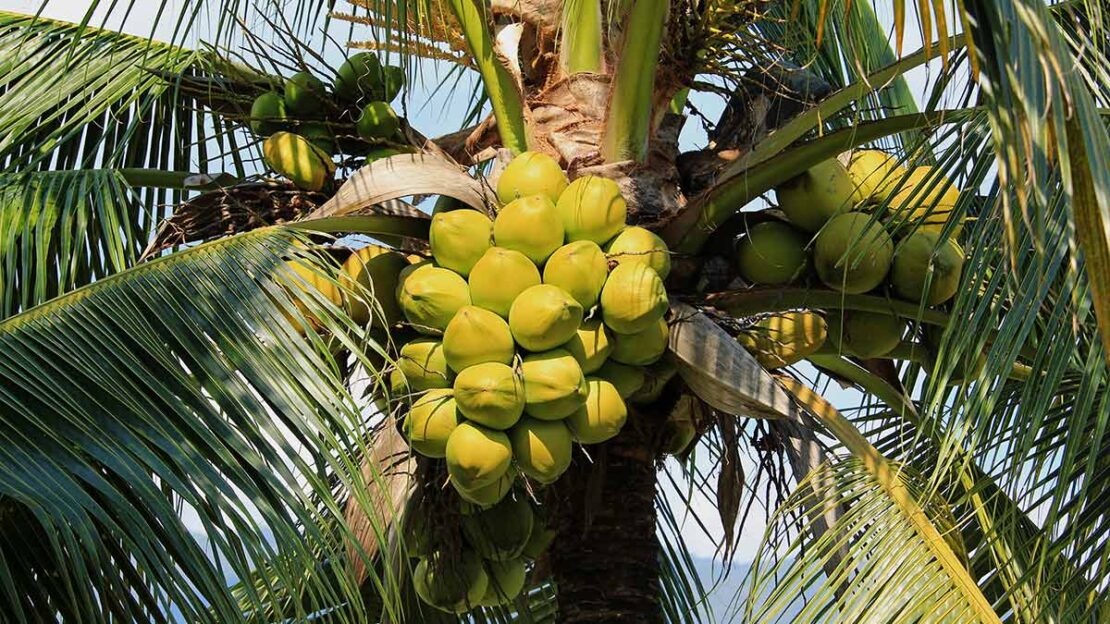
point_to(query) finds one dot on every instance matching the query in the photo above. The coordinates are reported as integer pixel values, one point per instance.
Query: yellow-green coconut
(637, 245)
(477, 456)
(633, 298)
(506, 581)
(785, 338)
(308, 283)
(554, 385)
(580, 268)
(602, 416)
(373, 272)
(531, 226)
(544, 317)
(590, 345)
(541, 448)
(815, 196)
(852, 253)
(430, 297)
(531, 173)
(656, 378)
(541, 538)
(927, 200)
(499, 277)
(500, 532)
(927, 270)
(377, 122)
(459, 238)
(864, 334)
(626, 379)
(641, 348)
(875, 174)
(488, 495)
(431, 421)
(452, 584)
(268, 113)
(592, 209)
(421, 366)
(296, 158)
(490, 394)
(476, 335)
(772, 253)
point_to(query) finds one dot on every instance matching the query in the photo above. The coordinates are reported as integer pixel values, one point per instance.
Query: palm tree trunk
(605, 557)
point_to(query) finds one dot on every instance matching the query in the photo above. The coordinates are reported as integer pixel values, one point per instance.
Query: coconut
(377, 271)
(393, 80)
(772, 253)
(852, 254)
(305, 95)
(476, 335)
(500, 532)
(430, 296)
(486, 496)
(541, 448)
(926, 200)
(960, 367)
(421, 366)
(642, 348)
(431, 421)
(553, 384)
(636, 245)
(499, 277)
(309, 280)
(267, 113)
(459, 238)
(656, 378)
(875, 174)
(580, 268)
(601, 417)
(377, 122)
(318, 134)
(633, 299)
(490, 394)
(538, 541)
(627, 379)
(679, 433)
(296, 158)
(815, 196)
(865, 334)
(926, 269)
(592, 209)
(531, 226)
(477, 456)
(452, 584)
(359, 78)
(785, 338)
(506, 581)
(590, 345)
(531, 173)
(544, 317)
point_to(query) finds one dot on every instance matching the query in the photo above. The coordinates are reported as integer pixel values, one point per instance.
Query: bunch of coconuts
(536, 325)
(831, 231)
(300, 143)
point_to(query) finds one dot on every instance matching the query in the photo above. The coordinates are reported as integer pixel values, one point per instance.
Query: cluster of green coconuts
(299, 143)
(537, 325)
(830, 231)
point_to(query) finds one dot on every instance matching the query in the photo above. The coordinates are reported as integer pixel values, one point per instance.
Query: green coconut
(554, 385)
(374, 272)
(490, 394)
(431, 421)
(506, 581)
(531, 226)
(393, 80)
(499, 277)
(318, 134)
(359, 78)
(641, 348)
(678, 434)
(633, 299)
(875, 174)
(477, 456)
(865, 334)
(430, 297)
(486, 496)
(590, 345)
(636, 245)
(602, 415)
(815, 196)
(454, 584)
(852, 254)
(500, 532)
(268, 113)
(305, 96)
(927, 269)
(772, 253)
(592, 209)
(656, 378)
(544, 317)
(541, 448)
(377, 122)
(785, 338)
(295, 157)
(421, 366)
(538, 542)
(580, 268)
(459, 238)
(627, 379)
(476, 335)
(531, 173)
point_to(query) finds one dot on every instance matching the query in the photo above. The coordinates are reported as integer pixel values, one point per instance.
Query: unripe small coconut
(922, 259)
(627, 379)
(554, 385)
(500, 532)
(319, 134)
(772, 253)
(421, 366)
(531, 226)
(531, 173)
(377, 122)
(633, 298)
(499, 277)
(875, 174)
(431, 421)
(580, 268)
(477, 456)
(506, 581)
(475, 336)
(295, 157)
(541, 538)
(865, 334)
(359, 78)
(454, 585)
(305, 95)
(852, 253)
(679, 433)
(268, 113)
(590, 345)
(637, 245)
(544, 317)
(490, 394)
(642, 348)
(542, 448)
(459, 238)
(430, 296)
(785, 338)
(592, 209)
(601, 417)
(377, 271)
(489, 495)
(815, 196)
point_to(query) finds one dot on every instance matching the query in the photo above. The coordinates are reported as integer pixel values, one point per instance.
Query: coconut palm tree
(178, 445)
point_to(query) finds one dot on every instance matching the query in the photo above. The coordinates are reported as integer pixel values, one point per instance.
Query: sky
(436, 112)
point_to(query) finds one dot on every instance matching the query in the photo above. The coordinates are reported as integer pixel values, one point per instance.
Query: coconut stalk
(580, 47)
(631, 95)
